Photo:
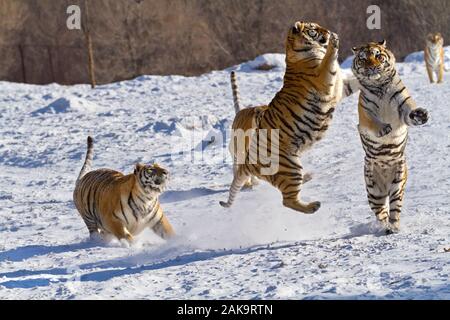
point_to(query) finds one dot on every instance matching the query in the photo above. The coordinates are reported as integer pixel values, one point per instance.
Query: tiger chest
(137, 215)
(434, 57)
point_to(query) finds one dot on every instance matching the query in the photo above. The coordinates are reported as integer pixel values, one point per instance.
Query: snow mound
(179, 125)
(265, 62)
(419, 56)
(67, 104)
(347, 63)
(415, 57)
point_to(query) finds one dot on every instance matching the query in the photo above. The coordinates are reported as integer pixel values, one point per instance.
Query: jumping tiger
(386, 110)
(113, 204)
(300, 112)
(434, 56)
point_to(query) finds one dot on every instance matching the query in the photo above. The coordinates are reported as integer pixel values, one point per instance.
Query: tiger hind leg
(91, 225)
(100, 236)
(291, 195)
(440, 73)
(95, 236)
(377, 195)
(240, 177)
(396, 194)
(289, 181)
(250, 183)
(379, 206)
(430, 74)
(307, 177)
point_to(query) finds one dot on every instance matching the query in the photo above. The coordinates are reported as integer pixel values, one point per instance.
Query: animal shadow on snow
(26, 252)
(183, 195)
(121, 267)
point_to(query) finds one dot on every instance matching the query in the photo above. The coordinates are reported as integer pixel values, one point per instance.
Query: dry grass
(265, 67)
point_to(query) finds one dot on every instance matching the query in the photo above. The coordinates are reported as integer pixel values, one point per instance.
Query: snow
(347, 63)
(257, 249)
(415, 57)
(419, 57)
(271, 61)
(69, 104)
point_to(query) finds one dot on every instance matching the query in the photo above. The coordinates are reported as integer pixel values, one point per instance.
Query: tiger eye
(312, 33)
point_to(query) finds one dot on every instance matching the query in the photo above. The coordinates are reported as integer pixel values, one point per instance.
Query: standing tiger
(385, 111)
(111, 203)
(300, 112)
(434, 56)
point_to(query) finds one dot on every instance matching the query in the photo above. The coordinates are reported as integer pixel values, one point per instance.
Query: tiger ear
(382, 43)
(298, 27)
(354, 50)
(138, 167)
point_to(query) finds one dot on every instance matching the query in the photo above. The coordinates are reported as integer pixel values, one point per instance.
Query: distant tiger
(301, 112)
(434, 57)
(385, 111)
(113, 204)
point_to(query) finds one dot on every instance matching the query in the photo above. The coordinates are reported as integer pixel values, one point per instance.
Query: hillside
(257, 249)
(162, 37)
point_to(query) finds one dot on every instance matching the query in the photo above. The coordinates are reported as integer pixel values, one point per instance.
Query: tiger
(116, 205)
(385, 111)
(434, 56)
(301, 112)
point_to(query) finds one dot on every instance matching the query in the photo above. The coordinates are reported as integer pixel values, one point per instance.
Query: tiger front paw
(334, 40)
(385, 130)
(419, 116)
(224, 204)
(394, 226)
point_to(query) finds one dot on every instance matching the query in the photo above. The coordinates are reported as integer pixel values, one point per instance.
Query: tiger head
(151, 177)
(434, 39)
(305, 40)
(373, 61)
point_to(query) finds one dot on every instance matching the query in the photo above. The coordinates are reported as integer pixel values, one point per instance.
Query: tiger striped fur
(235, 91)
(113, 204)
(251, 181)
(385, 111)
(434, 56)
(301, 111)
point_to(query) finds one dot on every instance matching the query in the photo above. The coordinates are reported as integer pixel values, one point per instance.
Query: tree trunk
(91, 64)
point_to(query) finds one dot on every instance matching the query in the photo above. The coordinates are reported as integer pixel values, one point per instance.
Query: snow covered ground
(256, 250)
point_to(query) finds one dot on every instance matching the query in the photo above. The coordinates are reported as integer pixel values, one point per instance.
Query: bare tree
(86, 28)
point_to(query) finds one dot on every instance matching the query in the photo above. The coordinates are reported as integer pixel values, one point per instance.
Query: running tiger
(385, 111)
(434, 56)
(113, 204)
(300, 112)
